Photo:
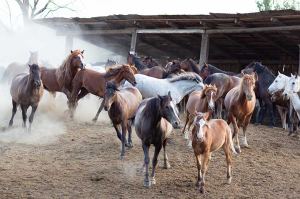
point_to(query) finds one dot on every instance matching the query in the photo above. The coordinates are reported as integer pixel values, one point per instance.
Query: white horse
(291, 91)
(179, 86)
(279, 84)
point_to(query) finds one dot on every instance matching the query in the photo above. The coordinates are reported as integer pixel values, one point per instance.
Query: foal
(154, 120)
(240, 103)
(26, 90)
(121, 106)
(209, 136)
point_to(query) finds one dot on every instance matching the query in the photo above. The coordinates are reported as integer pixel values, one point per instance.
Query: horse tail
(231, 141)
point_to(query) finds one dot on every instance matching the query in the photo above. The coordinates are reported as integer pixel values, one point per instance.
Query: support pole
(204, 49)
(299, 60)
(69, 44)
(133, 42)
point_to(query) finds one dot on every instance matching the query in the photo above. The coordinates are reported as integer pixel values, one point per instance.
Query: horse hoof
(201, 189)
(94, 120)
(167, 166)
(147, 183)
(238, 150)
(129, 145)
(153, 181)
(122, 157)
(246, 146)
(229, 180)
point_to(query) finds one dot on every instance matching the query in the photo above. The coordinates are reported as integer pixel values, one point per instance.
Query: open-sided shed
(226, 40)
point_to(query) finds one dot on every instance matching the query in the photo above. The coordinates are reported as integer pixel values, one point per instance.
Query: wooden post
(299, 61)
(204, 49)
(133, 42)
(69, 44)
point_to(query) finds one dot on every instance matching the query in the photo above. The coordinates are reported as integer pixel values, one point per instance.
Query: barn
(229, 41)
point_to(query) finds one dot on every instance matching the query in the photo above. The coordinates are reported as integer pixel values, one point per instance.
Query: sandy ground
(84, 163)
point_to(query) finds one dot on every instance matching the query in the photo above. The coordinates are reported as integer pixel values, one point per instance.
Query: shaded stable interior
(229, 41)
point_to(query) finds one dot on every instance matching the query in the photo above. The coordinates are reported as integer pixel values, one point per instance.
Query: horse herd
(143, 94)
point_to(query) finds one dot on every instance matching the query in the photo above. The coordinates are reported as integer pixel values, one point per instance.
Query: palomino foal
(209, 136)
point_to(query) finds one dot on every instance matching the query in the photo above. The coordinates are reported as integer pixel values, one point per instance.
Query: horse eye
(293, 83)
(276, 81)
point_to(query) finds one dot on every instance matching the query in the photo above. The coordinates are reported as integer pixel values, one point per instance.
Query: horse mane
(206, 88)
(216, 70)
(263, 68)
(151, 105)
(186, 76)
(137, 62)
(64, 72)
(112, 71)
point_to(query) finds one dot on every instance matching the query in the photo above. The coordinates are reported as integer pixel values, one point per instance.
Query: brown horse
(239, 103)
(224, 83)
(16, 68)
(153, 125)
(200, 101)
(209, 136)
(60, 79)
(90, 81)
(121, 106)
(26, 90)
(160, 72)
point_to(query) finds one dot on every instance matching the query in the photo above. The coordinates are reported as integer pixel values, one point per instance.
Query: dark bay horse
(60, 79)
(239, 103)
(153, 125)
(90, 81)
(209, 136)
(224, 83)
(265, 79)
(208, 69)
(121, 106)
(134, 60)
(26, 90)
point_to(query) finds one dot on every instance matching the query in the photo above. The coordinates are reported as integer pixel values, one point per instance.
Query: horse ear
(29, 65)
(279, 73)
(169, 94)
(242, 72)
(160, 97)
(71, 51)
(82, 51)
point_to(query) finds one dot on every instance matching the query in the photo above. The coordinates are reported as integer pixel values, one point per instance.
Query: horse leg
(219, 108)
(24, 115)
(154, 162)
(245, 125)
(282, 115)
(99, 110)
(33, 109)
(118, 131)
(166, 159)
(232, 119)
(227, 151)
(261, 114)
(198, 160)
(271, 107)
(186, 121)
(204, 165)
(147, 182)
(258, 106)
(129, 143)
(83, 92)
(14, 110)
(124, 131)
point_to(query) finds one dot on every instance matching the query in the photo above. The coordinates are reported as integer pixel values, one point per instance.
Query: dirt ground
(84, 163)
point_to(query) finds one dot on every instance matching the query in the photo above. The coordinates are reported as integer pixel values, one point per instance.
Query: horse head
(127, 73)
(248, 85)
(210, 93)
(292, 86)
(278, 84)
(110, 95)
(168, 110)
(76, 59)
(204, 71)
(35, 75)
(201, 125)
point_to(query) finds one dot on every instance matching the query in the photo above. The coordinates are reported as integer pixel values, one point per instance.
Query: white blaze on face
(174, 109)
(81, 59)
(211, 102)
(200, 133)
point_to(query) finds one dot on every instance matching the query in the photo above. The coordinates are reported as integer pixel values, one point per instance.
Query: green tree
(264, 5)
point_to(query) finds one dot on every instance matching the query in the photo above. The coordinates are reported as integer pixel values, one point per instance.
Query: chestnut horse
(153, 125)
(201, 101)
(90, 81)
(121, 106)
(159, 72)
(209, 136)
(224, 83)
(26, 90)
(239, 103)
(60, 79)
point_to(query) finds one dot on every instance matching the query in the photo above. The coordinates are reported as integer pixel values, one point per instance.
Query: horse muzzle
(37, 84)
(176, 125)
(249, 97)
